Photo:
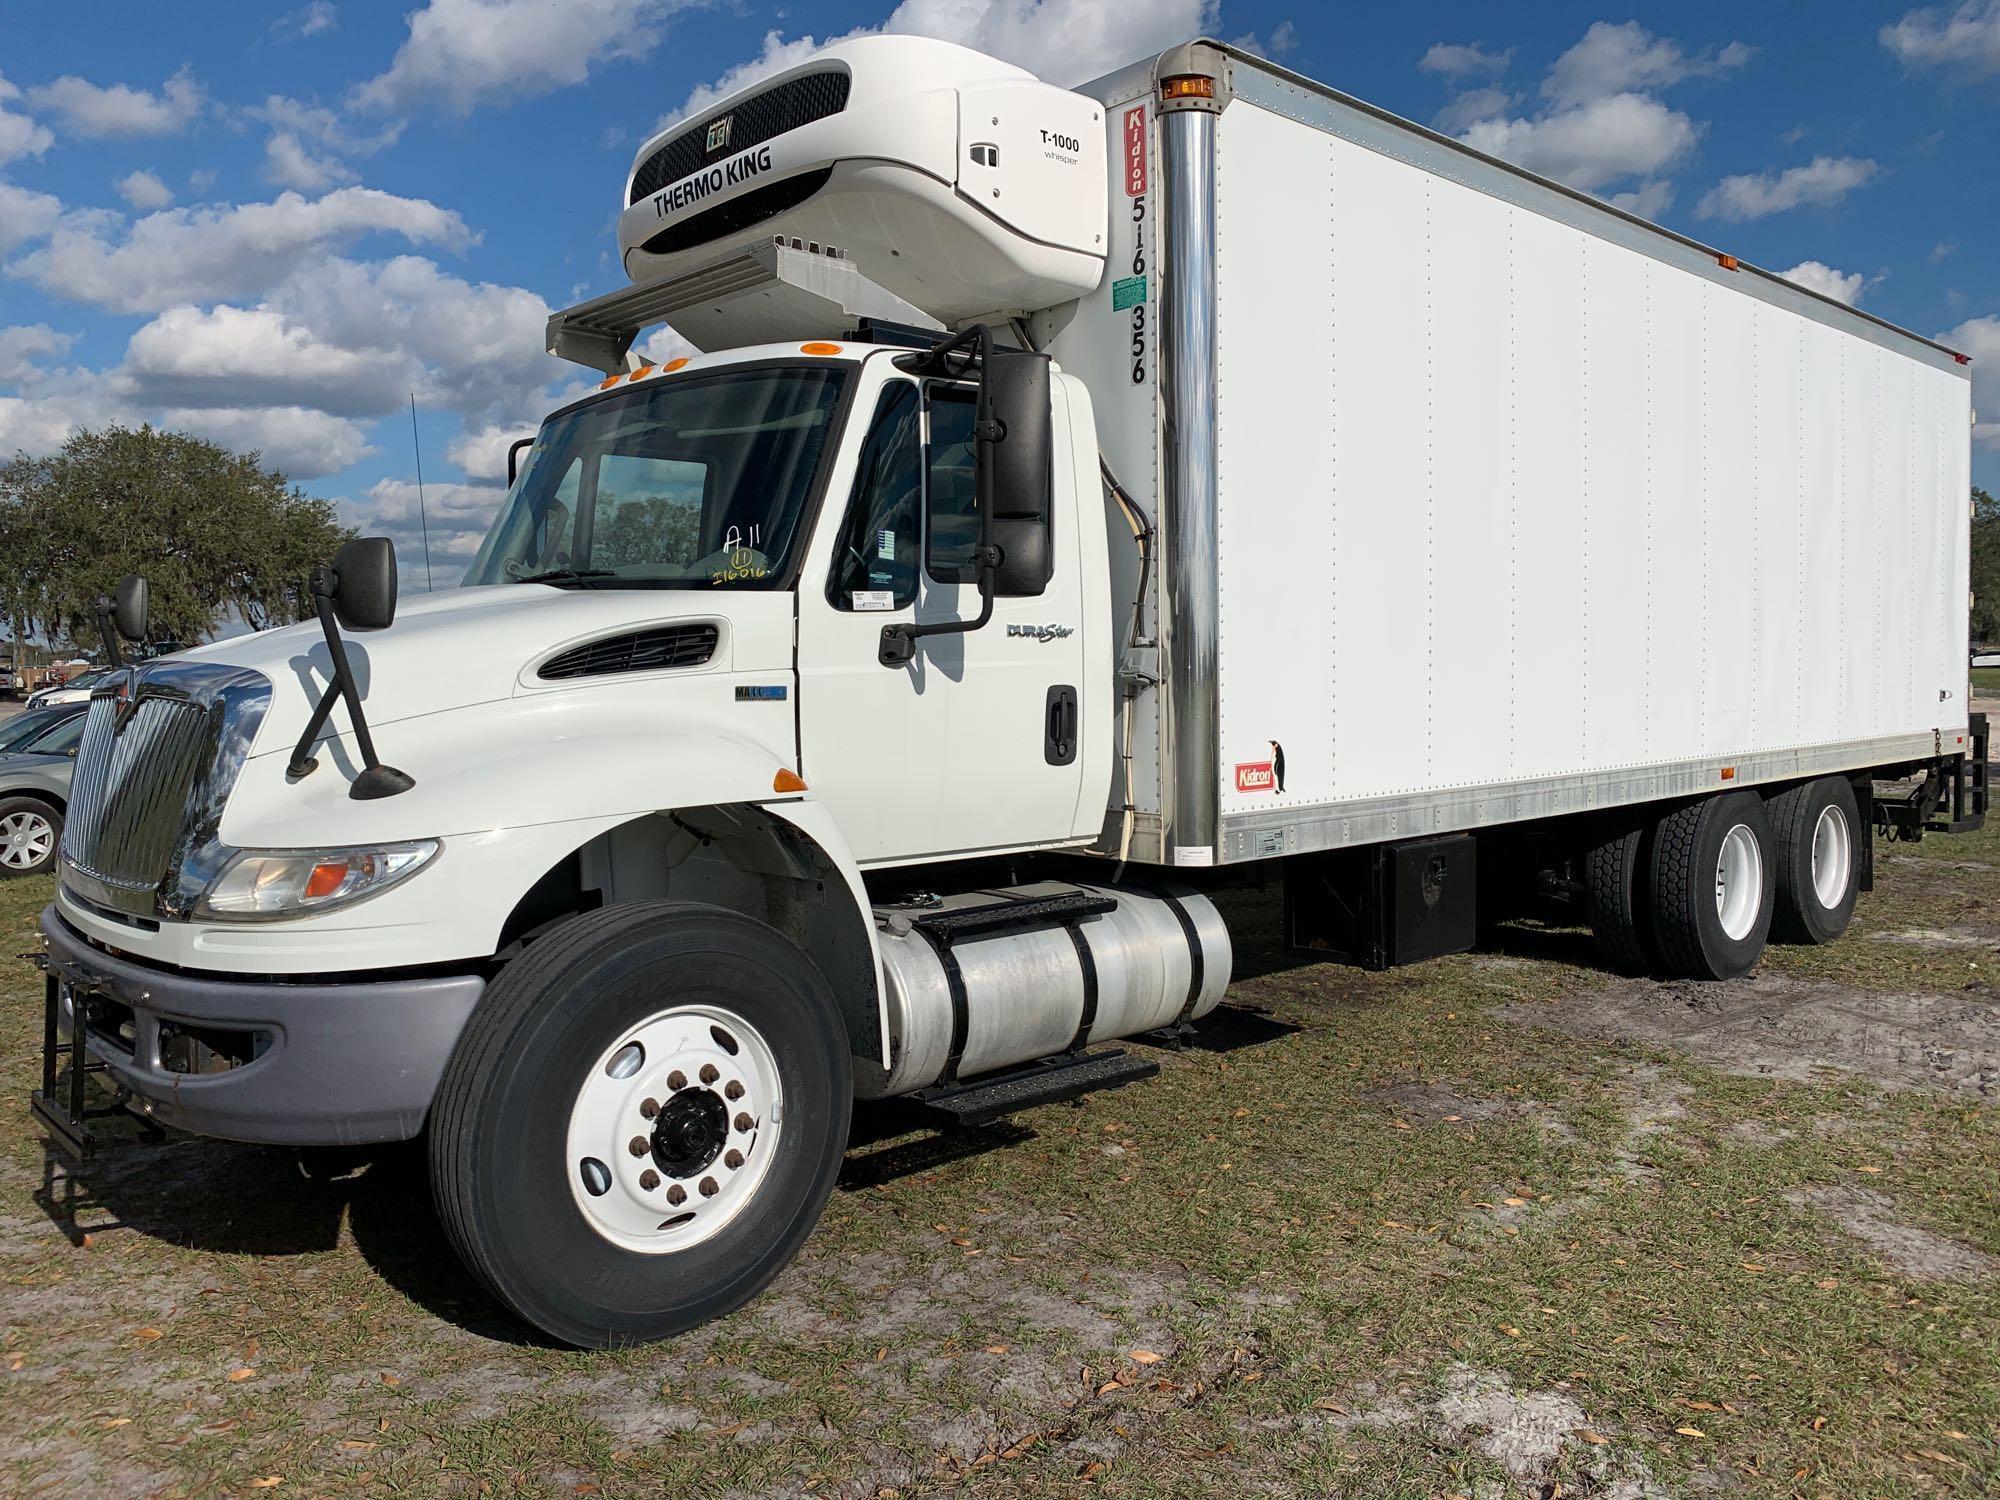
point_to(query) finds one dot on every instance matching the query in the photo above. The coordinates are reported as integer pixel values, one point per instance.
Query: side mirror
(131, 609)
(514, 456)
(1023, 471)
(364, 583)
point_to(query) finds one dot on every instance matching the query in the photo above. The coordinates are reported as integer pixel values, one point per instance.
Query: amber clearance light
(1187, 86)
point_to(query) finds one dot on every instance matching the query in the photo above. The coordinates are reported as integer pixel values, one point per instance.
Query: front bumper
(259, 1059)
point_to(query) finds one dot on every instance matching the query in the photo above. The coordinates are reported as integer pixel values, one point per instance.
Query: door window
(875, 555)
(953, 472)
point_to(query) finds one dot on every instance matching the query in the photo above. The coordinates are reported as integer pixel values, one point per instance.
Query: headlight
(257, 886)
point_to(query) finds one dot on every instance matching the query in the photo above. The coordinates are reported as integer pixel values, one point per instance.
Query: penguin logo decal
(1262, 775)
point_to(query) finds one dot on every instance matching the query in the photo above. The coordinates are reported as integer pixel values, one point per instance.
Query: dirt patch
(1773, 1026)
(1906, 1249)
(1976, 939)
(1522, 1432)
(1429, 1102)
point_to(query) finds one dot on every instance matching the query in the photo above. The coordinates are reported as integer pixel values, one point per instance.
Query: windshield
(699, 482)
(26, 731)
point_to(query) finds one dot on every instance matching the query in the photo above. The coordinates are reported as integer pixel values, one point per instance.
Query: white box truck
(1080, 498)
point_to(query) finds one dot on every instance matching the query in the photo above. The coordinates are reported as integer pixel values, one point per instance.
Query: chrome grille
(136, 769)
(160, 750)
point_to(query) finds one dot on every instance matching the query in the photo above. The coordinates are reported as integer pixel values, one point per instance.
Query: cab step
(1050, 1081)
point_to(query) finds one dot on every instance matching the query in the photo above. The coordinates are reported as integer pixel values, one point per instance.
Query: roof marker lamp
(268, 886)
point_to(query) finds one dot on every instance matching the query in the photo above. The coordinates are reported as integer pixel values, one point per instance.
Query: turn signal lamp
(787, 780)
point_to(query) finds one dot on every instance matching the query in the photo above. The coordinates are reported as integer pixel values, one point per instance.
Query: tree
(1985, 566)
(212, 531)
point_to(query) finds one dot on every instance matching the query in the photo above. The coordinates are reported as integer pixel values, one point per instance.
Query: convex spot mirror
(364, 591)
(131, 607)
(1017, 384)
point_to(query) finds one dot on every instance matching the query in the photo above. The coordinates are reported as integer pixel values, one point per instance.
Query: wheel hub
(674, 1128)
(689, 1132)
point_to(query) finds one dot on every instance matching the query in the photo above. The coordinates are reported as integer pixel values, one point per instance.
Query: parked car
(9, 680)
(76, 690)
(28, 731)
(34, 791)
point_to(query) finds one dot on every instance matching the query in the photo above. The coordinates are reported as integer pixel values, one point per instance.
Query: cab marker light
(819, 348)
(610, 381)
(672, 365)
(642, 372)
(787, 780)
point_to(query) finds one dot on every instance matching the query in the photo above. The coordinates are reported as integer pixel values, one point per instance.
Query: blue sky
(272, 225)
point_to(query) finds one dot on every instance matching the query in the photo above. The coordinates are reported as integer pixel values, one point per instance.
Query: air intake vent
(641, 651)
(756, 120)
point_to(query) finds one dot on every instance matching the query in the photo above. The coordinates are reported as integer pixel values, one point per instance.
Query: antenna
(422, 518)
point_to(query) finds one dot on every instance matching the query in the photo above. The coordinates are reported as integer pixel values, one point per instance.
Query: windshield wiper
(566, 575)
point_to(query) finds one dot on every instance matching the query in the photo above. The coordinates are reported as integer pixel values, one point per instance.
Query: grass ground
(1498, 1225)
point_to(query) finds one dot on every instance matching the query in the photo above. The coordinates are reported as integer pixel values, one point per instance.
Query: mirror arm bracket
(376, 779)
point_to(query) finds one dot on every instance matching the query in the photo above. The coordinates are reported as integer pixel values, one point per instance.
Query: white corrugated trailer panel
(1504, 500)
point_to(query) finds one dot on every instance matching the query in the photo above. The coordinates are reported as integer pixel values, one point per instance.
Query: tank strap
(1087, 966)
(1196, 965)
(954, 983)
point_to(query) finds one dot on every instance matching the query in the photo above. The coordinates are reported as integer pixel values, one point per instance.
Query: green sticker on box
(1129, 292)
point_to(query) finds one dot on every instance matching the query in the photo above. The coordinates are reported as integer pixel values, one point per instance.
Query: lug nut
(650, 1108)
(744, 1122)
(708, 1187)
(677, 1195)
(733, 1159)
(734, 1090)
(709, 1073)
(638, 1146)
(649, 1179)
(677, 1080)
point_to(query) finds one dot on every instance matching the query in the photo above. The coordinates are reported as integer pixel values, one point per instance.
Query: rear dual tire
(1816, 828)
(1714, 886)
(642, 1121)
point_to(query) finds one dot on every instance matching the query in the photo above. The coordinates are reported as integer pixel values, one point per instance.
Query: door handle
(1059, 726)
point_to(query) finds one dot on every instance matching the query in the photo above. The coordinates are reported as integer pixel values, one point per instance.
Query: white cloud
(91, 109)
(1824, 181)
(1648, 200)
(1980, 338)
(1464, 59)
(19, 135)
(201, 179)
(209, 254)
(1282, 41)
(455, 515)
(25, 215)
(463, 53)
(1062, 41)
(144, 191)
(289, 164)
(1472, 106)
(22, 345)
(307, 20)
(306, 444)
(481, 452)
(1965, 40)
(1621, 59)
(1817, 276)
(1593, 144)
(236, 356)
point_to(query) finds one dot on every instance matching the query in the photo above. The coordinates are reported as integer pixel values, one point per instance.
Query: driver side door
(952, 753)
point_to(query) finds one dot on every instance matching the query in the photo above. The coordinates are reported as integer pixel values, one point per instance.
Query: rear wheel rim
(1832, 857)
(673, 1129)
(26, 840)
(1739, 882)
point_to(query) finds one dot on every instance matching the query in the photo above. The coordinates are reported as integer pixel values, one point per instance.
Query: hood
(19, 764)
(468, 646)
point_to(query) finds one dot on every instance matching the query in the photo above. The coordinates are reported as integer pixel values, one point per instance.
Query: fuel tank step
(1050, 1081)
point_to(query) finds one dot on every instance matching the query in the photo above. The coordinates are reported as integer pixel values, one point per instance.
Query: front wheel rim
(1832, 857)
(1739, 882)
(25, 840)
(674, 1128)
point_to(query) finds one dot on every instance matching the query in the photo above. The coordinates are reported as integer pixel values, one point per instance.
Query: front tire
(1816, 830)
(1713, 881)
(642, 1121)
